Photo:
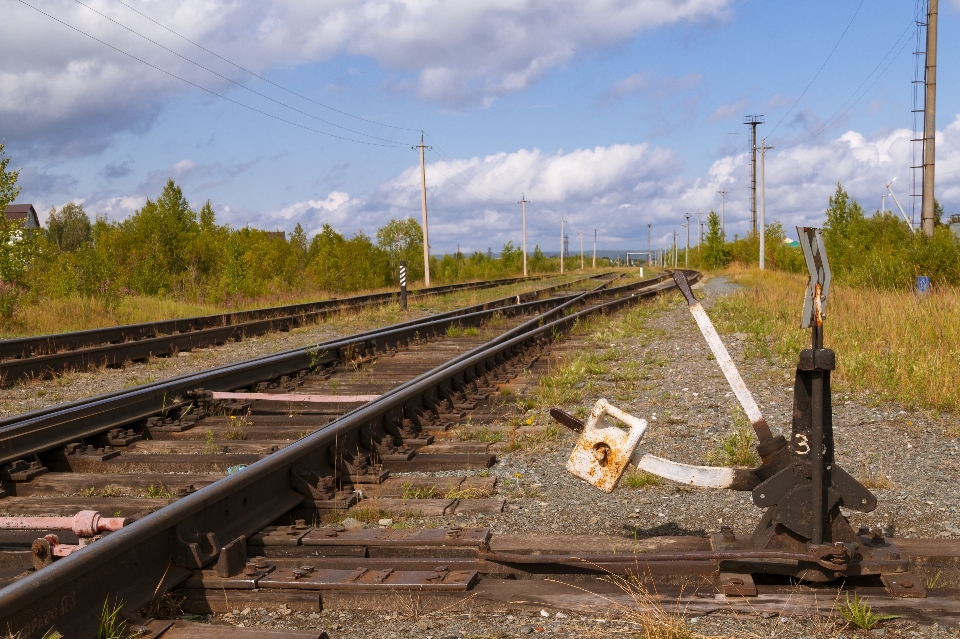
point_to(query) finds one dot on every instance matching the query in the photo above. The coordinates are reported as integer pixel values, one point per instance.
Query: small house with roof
(23, 213)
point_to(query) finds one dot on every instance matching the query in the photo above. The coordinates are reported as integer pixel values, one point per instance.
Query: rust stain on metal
(602, 454)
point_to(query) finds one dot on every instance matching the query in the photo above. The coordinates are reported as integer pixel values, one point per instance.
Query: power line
(832, 51)
(833, 119)
(194, 84)
(260, 77)
(220, 75)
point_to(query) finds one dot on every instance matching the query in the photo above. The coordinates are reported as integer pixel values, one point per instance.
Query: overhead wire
(837, 115)
(817, 74)
(260, 77)
(234, 82)
(202, 88)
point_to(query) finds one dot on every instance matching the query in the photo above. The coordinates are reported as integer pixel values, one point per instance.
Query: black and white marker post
(403, 286)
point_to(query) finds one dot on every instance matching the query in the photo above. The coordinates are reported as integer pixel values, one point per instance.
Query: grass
(106, 491)
(895, 343)
(421, 492)
(858, 612)
(456, 330)
(78, 312)
(878, 479)
(159, 491)
(482, 434)
(635, 478)
(526, 441)
(112, 625)
(736, 448)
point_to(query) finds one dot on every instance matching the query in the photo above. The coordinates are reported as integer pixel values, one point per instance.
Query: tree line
(877, 251)
(168, 249)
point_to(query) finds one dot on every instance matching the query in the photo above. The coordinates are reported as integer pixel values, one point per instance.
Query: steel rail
(25, 435)
(25, 347)
(154, 554)
(359, 341)
(180, 335)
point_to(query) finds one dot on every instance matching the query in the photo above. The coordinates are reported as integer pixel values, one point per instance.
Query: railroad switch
(799, 484)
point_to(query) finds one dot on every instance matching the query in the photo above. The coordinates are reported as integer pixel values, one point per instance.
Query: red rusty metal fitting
(86, 523)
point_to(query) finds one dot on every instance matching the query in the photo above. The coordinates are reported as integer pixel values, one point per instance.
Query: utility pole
(674, 249)
(649, 254)
(423, 194)
(752, 121)
(700, 231)
(561, 246)
(523, 207)
(883, 203)
(722, 193)
(763, 200)
(929, 121)
(686, 253)
(594, 248)
(581, 250)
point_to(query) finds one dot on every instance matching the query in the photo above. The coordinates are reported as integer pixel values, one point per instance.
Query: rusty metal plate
(738, 584)
(330, 536)
(904, 585)
(279, 536)
(305, 578)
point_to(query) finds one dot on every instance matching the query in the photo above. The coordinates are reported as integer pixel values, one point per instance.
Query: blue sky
(610, 114)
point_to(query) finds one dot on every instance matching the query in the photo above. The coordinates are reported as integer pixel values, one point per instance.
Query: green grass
(482, 434)
(422, 492)
(112, 625)
(159, 491)
(736, 448)
(859, 613)
(636, 478)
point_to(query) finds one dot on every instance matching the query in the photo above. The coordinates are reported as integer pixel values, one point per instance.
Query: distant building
(25, 213)
(955, 224)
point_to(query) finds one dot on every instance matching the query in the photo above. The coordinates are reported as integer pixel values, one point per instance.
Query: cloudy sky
(612, 114)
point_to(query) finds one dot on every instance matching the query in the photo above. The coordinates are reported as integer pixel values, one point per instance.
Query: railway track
(252, 469)
(45, 355)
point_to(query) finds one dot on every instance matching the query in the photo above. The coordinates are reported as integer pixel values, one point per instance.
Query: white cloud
(617, 189)
(70, 97)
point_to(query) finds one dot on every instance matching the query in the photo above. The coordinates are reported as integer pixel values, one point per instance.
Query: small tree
(69, 228)
(715, 252)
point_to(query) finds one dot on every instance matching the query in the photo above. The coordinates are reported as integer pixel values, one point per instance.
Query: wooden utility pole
(929, 122)
(594, 248)
(423, 194)
(649, 255)
(523, 208)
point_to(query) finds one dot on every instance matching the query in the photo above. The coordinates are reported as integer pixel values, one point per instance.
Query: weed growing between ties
(896, 343)
(112, 625)
(859, 613)
(158, 491)
(737, 447)
(482, 434)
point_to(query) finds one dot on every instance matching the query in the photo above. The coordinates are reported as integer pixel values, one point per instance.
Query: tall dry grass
(903, 346)
(79, 312)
